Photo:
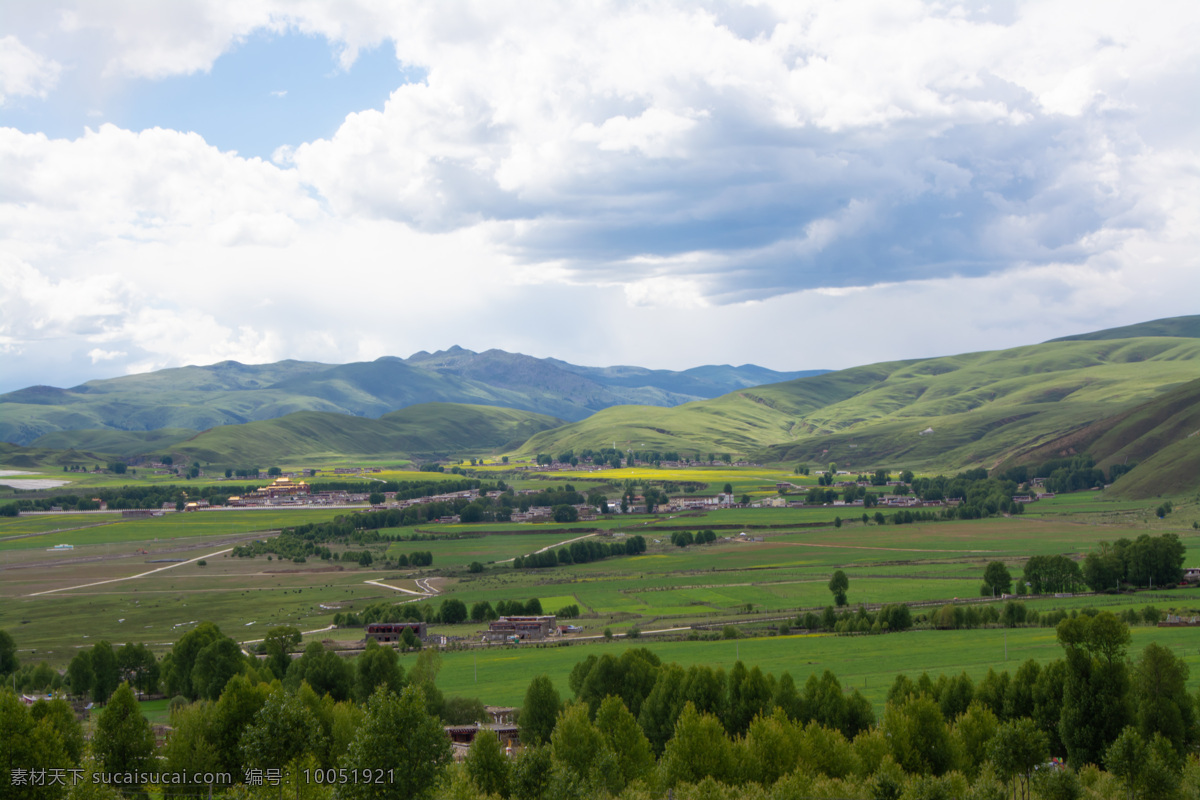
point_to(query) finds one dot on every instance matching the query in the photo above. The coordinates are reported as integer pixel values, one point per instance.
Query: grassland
(945, 413)
(142, 581)
(868, 663)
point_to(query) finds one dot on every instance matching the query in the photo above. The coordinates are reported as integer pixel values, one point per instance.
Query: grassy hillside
(1186, 327)
(422, 430)
(983, 408)
(1161, 436)
(15, 456)
(229, 393)
(117, 443)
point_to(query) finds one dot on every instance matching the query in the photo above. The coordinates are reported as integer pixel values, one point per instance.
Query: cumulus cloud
(24, 73)
(631, 163)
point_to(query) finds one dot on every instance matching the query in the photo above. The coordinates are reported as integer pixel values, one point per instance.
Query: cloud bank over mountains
(665, 184)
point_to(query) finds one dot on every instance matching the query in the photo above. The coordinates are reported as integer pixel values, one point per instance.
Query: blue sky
(269, 90)
(666, 185)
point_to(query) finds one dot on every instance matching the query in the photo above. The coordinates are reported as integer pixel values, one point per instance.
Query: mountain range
(1123, 395)
(191, 399)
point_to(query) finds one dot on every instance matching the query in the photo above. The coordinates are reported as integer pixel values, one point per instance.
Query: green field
(168, 526)
(977, 407)
(868, 663)
(141, 580)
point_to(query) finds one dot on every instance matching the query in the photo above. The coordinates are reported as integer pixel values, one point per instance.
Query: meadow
(142, 580)
(500, 675)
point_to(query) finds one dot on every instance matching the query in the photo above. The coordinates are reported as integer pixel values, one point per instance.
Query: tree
(80, 674)
(1095, 702)
(565, 513)
(236, 711)
(8, 654)
(996, 579)
(27, 744)
(377, 666)
(1149, 770)
(531, 772)
(397, 734)
(749, 696)
(137, 664)
(625, 739)
(917, 735)
(698, 749)
(662, 706)
(123, 741)
(1102, 571)
(453, 611)
(487, 766)
(284, 729)
(189, 749)
(324, 670)
(1017, 748)
(972, 733)
(482, 612)
(105, 673)
(178, 664)
(59, 715)
(838, 584)
(1161, 698)
(219, 661)
(280, 642)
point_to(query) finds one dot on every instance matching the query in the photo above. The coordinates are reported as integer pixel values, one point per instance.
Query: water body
(28, 483)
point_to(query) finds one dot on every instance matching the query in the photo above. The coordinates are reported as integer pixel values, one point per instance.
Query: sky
(795, 184)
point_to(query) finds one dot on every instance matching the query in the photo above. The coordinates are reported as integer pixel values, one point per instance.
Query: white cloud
(616, 168)
(97, 355)
(24, 73)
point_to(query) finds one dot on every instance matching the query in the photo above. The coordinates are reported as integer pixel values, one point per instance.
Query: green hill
(966, 410)
(123, 444)
(1161, 436)
(1179, 327)
(15, 456)
(426, 430)
(229, 393)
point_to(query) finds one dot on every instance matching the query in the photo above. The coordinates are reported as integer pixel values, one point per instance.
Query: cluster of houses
(513, 629)
(284, 491)
(589, 466)
(1030, 498)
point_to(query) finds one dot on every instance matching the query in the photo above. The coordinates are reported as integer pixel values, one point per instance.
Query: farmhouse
(392, 631)
(281, 487)
(521, 628)
(461, 736)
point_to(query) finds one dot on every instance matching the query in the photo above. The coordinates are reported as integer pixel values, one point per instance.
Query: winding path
(129, 577)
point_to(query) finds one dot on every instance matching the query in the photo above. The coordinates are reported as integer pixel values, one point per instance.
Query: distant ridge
(1181, 327)
(190, 399)
(968, 410)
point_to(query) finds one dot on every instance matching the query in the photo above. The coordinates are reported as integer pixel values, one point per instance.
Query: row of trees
(659, 725)
(686, 538)
(1072, 474)
(639, 726)
(581, 552)
(1145, 561)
